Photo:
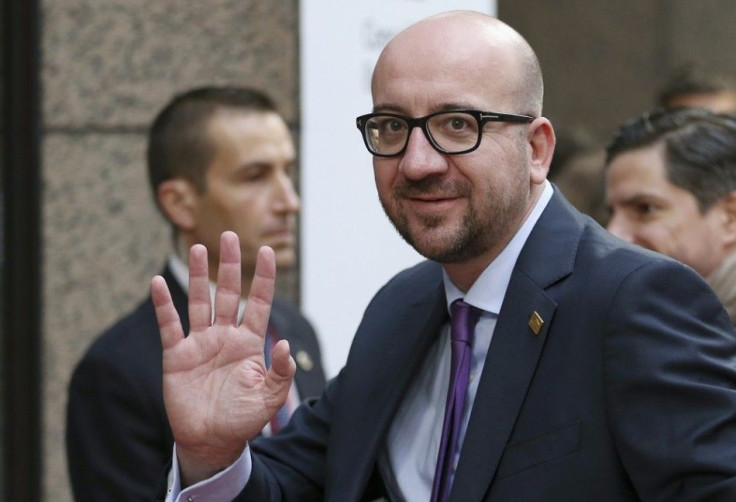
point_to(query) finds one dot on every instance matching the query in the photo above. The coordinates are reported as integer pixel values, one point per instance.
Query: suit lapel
(517, 343)
(508, 370)
(390, 350)
(309, 377)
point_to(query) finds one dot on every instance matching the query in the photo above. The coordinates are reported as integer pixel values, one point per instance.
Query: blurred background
(82, 79)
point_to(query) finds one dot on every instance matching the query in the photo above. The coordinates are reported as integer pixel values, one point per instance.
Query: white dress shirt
(414, 437)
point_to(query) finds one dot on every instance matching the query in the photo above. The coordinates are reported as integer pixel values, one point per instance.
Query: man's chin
(285, 257)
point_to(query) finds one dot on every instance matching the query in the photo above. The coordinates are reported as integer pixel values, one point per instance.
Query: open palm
(217, 390)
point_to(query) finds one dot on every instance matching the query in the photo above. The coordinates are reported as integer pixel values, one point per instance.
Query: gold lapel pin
(304, 361)
(536, 322)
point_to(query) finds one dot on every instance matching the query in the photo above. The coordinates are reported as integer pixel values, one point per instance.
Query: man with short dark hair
(693, 86)
(671, 187)
(219, 158)
(532, 357)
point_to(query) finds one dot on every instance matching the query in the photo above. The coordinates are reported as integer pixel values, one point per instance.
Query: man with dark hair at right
(219, 158)
(693, 86)
(671, 187)
(532, 357)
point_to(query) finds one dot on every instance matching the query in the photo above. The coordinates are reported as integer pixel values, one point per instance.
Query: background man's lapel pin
(304, 361)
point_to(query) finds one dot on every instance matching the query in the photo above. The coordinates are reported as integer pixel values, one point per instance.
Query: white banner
(349, 249)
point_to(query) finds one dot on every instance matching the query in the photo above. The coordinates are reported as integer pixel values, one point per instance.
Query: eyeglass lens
(450, 131)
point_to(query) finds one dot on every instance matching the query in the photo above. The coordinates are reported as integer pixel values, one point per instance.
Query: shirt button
(190, 499)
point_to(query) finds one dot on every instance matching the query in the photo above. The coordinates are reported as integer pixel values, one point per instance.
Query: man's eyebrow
(448, 107)
(387, 107)
(640, 197)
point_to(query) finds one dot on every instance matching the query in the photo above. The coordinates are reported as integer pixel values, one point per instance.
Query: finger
(227, 297)
(281, 373)
(200, 306)
(169, 324)
(260, 298)
(283, 366)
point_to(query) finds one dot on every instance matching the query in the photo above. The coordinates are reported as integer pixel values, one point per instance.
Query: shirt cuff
(225, 485)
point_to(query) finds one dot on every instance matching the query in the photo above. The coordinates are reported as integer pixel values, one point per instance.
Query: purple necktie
(462, 320)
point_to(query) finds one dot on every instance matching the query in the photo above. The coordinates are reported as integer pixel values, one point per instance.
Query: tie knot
(462, 319)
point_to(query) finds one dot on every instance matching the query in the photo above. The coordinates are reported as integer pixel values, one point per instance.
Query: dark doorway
(20, 443)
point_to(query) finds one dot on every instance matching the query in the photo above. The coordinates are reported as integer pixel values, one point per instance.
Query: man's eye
(644, 209)
(454, 124)
(458, 124)
(254, 174)
(393, 126)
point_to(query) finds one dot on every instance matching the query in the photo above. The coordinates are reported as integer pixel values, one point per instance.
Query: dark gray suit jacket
(118, 437)
(627, 392)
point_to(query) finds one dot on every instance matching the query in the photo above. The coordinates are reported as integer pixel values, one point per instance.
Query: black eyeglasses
(452, 132)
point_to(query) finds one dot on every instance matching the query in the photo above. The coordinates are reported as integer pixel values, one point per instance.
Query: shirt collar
(488, 291)
(180, 271)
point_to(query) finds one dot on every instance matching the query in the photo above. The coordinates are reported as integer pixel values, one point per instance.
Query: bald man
(533, 356)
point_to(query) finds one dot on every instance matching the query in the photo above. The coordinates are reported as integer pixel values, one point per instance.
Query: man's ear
(728, 225)
(178, 200)
(541, 137)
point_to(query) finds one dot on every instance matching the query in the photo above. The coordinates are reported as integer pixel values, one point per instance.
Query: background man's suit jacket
(117, 430)
(626, 392)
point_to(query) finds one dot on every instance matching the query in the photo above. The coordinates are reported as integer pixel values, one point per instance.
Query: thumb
(281, 372)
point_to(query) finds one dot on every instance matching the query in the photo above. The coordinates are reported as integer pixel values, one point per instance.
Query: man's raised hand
(217, 390)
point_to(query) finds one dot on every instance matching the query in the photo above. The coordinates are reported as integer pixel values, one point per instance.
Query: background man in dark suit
(219, 159)
(671, 187)
(597, 370)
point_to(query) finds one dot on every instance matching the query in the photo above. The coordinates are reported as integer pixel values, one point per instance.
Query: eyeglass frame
(480, 117)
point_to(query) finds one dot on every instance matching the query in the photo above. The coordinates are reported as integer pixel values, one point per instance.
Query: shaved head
(469, 42)
(462, 209)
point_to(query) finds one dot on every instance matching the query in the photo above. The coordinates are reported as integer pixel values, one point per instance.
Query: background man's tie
(462, 324)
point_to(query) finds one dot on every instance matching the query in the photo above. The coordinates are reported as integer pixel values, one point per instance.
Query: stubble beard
(483, 226)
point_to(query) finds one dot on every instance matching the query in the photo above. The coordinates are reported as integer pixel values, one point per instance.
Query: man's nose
(287, 198)
(619, 227)
(420, 159)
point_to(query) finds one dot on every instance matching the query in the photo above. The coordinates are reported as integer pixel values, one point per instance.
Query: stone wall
(107, 67)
